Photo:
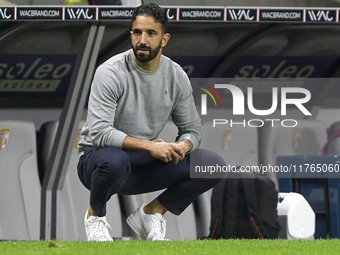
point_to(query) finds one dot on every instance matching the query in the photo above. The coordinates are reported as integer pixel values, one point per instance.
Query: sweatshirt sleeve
(105, 92)
(185, 115)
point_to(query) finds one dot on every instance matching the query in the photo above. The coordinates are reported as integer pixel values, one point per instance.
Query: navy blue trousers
(109, 170)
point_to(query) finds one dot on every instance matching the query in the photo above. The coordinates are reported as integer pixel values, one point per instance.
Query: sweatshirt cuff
(119, 138)
(192, 138)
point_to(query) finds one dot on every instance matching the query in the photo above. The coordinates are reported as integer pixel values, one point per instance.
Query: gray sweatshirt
(127, 100)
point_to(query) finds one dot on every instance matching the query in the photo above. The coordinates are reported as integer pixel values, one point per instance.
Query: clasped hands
(170, 151)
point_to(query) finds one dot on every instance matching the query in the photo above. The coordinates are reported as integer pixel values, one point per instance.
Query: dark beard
(146, 58)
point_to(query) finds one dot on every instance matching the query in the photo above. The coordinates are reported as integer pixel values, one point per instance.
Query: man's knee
(114, 163)
(207, 158)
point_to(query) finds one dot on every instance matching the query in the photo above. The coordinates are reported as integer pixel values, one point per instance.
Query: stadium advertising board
(109, 13)
(171, 13)
(260, 67)
(40, 13)
(214, 14)
(202, 14)
(314, 15)
(7, 13)
(74, 13)
(29, 75)
(281, 15)
(241, 14)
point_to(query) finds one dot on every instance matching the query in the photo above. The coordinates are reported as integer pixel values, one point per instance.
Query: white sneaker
(147, 226)
(96, 228)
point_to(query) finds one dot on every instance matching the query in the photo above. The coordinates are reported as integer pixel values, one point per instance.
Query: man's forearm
(132, 143)
(161, 150)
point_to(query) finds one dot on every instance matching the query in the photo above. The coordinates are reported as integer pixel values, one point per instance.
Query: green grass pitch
(208, 247)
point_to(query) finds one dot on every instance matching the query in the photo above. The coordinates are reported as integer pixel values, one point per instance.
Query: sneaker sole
(133, 224)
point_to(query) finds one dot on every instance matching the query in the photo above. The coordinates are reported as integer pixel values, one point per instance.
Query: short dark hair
(154, 10)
